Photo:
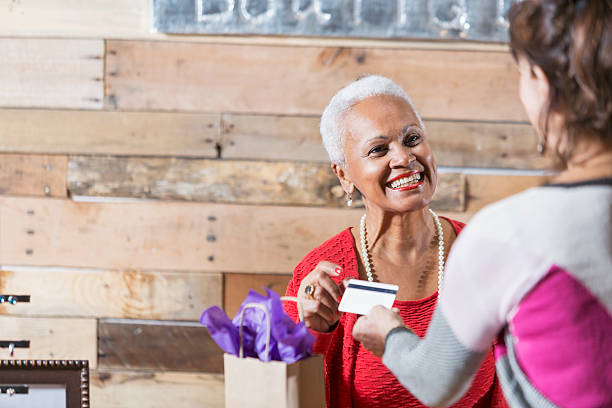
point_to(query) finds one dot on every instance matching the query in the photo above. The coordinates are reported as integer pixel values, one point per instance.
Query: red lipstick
(408, 187)
(402, 176)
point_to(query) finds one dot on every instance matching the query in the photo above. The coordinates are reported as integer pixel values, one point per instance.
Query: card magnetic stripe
(373, 289)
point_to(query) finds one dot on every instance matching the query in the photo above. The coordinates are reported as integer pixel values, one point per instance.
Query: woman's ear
(556, 136)
(542, 84)
(343, 176)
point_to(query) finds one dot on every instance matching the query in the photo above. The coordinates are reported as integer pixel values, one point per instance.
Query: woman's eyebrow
(377, 137)
(408, 127)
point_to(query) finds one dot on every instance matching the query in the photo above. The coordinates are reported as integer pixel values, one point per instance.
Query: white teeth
(406, 181)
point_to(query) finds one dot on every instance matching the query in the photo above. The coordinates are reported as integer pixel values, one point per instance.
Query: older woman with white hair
(378, 145)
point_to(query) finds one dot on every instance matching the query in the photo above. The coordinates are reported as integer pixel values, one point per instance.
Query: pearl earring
(349, 200)
(541, 146)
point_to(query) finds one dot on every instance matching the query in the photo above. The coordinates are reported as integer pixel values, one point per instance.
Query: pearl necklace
(368, 264)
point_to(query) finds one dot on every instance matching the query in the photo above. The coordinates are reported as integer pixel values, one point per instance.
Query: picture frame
(72, 375)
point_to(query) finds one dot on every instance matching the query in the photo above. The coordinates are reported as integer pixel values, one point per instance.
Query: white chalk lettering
(402, 14)
(218, 17)
(357, 12)
(502, 11)
(478, 20)
(314, 7)
(458, 10)
(260, 18)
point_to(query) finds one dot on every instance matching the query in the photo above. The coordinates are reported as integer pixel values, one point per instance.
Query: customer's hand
(372, 330)
(319, 296)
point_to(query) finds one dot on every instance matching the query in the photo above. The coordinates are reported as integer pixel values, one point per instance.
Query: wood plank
(49, 73)
(153, 389)
(154, 346)
(240, 182)
(120, 19)
(450, 193)
(174, 76)
(51, 339)
(33, 175)
(101, 132)
(165, 235)
(486, 189)
(455, 143)
(485, 144)
(225, 181)
(272, 137)
(237, 286)
(115, 294)
(73, 18)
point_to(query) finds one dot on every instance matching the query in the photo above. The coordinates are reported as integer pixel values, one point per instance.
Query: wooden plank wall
(145, 177)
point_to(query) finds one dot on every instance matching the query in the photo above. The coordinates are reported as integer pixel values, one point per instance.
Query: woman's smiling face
(387, 156)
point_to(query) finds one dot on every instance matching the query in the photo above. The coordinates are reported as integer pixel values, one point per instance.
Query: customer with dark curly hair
(534, 270)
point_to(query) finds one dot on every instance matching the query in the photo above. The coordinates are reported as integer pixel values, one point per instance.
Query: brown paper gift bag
(252, 383)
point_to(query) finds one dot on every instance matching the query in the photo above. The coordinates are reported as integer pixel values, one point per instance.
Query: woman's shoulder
(336, 249)
(457, 225)
(499, 220)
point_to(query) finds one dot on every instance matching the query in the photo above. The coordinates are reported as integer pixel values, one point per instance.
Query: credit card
(360, 296)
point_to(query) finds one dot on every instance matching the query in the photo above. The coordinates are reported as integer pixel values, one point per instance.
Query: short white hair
(332, 127)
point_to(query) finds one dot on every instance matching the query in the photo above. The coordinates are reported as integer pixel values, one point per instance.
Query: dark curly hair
(571, 41)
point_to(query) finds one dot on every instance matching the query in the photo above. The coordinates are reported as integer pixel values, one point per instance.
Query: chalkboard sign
(478, 20)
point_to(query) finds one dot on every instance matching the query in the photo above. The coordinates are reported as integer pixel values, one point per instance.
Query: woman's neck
(398, 236)
(589, 162)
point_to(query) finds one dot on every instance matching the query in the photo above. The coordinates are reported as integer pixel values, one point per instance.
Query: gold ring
(309, 290)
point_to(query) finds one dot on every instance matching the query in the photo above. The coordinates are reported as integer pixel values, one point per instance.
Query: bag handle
(259, 306)
(255, 306)
(299, 305)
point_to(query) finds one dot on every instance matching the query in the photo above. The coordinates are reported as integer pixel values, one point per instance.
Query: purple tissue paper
(289, 341)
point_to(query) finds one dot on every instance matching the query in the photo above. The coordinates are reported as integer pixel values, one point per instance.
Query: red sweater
(354, 377)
